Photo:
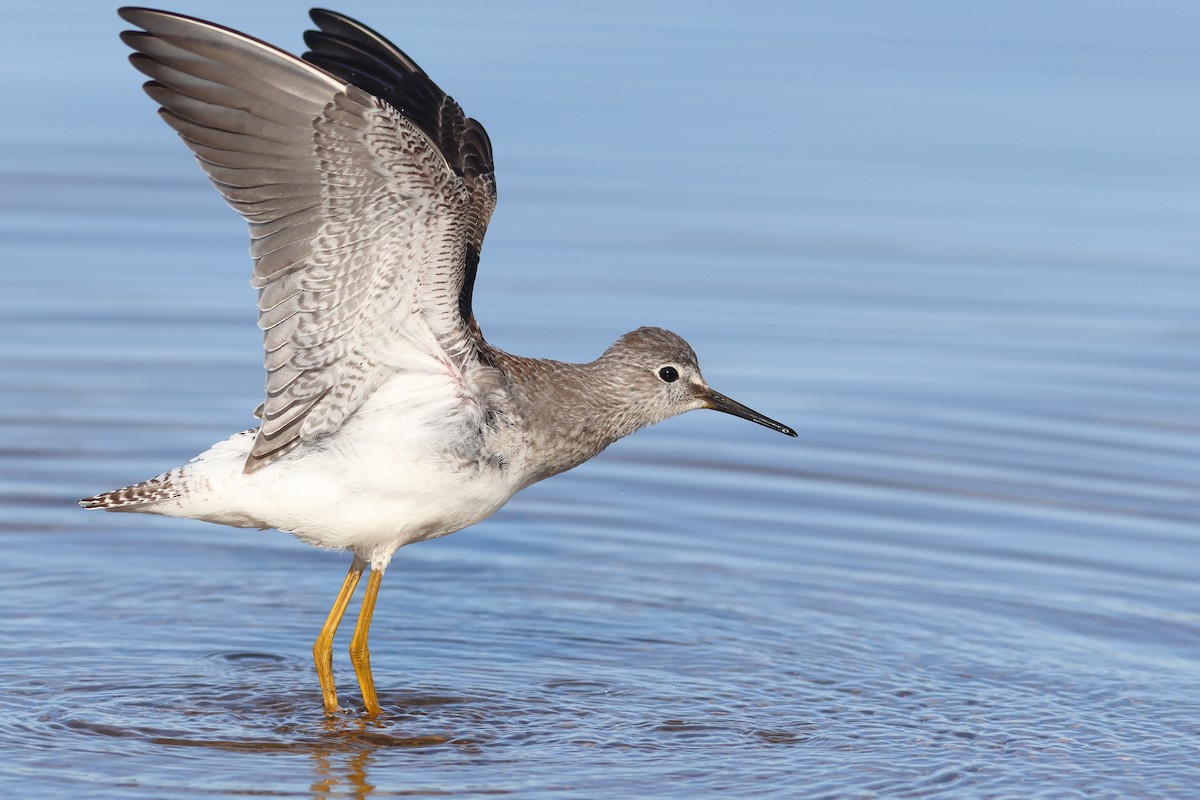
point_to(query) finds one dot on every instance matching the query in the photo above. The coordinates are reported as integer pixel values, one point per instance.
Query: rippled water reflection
(956, 249)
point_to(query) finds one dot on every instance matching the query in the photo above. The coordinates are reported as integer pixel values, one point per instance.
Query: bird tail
(157, 489)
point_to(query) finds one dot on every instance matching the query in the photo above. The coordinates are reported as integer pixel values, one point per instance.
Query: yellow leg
(359, 656)
(323, 647)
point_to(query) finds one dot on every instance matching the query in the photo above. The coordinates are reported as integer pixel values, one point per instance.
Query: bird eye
(668, 374)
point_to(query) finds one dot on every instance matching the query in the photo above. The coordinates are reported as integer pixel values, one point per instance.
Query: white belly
(385, 480)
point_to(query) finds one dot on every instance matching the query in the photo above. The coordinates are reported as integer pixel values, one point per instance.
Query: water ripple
(971, 291)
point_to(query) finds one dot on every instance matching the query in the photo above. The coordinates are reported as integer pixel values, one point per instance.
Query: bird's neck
(564, 414)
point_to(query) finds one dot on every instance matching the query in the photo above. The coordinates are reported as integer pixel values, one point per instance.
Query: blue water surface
(953, 244)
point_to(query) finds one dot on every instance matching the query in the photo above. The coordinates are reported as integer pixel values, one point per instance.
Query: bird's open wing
(353, 52)
(365, 220)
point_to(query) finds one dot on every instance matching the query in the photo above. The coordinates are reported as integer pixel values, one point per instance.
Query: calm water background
(955, 247)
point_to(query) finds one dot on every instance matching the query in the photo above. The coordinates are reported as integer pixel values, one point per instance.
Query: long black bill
(719, 402)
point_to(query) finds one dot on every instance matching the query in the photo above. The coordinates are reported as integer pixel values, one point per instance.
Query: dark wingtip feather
(132, 14)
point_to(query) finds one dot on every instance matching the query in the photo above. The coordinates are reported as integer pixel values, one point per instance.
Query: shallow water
(956, 249)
